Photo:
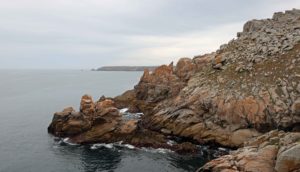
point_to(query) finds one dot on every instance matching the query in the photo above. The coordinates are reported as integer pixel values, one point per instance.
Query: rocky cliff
(246, 88)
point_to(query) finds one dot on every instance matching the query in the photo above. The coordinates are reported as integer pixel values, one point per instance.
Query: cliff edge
(244, 92)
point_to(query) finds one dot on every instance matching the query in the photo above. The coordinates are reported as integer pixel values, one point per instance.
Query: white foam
(222, 149)
(112, 145)
(124, 110)
(171, 142)
(140, 114)
(67, 141)
(158, 150)
(161, 150)
(120, 142)
(99, 145)
(128, 146)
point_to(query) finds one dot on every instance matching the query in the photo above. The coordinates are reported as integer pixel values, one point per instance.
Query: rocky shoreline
(246, 95)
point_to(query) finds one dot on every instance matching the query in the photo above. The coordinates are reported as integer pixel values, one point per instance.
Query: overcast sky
(83, 34)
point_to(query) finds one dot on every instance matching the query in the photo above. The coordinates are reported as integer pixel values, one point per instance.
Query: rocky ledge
(102, 122)
(234, 97)
(273, 151)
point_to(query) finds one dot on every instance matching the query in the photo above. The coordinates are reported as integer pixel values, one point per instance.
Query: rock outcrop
(247, 87)
(68, 123)
(273, 151)
(230, 97)
(102, 122)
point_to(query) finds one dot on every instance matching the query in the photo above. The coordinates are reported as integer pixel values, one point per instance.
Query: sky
(85, 34)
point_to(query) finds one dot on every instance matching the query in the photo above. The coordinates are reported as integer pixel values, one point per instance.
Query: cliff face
(246, 88)
(249, 86)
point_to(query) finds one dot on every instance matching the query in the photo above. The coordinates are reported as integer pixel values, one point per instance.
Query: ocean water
(28, 99)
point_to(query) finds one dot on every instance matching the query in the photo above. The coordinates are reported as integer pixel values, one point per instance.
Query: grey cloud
(91, 33)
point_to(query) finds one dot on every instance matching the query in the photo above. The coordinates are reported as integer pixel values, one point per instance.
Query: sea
(28, 99)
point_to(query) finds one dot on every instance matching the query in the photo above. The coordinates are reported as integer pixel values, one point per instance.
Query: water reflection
(83, 158)
(187, 162)
(101, 159)
(114, 157)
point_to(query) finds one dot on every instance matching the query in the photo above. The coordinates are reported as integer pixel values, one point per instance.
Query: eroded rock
(263, 153)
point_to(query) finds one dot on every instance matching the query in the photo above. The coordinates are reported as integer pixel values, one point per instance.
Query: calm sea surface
(28, 98)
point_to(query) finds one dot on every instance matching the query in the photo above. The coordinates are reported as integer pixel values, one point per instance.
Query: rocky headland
(245, 96)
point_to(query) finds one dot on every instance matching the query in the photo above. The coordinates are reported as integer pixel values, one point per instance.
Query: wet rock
(186, 147)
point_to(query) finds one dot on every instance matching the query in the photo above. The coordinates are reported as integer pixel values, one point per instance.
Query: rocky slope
(248, 87)
(273, 151)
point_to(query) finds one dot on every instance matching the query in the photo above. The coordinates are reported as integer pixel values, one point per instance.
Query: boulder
(246, 159)
(273, 151)
(203, 60)
(218, 61)
(253, 26)
(128, 127)
(106, 107)
(240, 136)
(127, 100)
(289, 160)
(68, 123)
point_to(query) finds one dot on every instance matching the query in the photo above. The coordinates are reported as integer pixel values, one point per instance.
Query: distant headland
(125, 68)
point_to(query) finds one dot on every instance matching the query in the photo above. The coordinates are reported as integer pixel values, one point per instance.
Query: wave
(67, 141)
(158, 150)
(128, 115)
(128, 146)
(171, 142)
(99, 145)
(111, 145)
(124, 110)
